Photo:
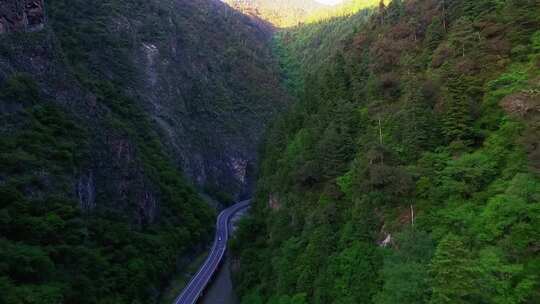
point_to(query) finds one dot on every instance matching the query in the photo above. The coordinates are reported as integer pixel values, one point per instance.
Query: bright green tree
(451, 271)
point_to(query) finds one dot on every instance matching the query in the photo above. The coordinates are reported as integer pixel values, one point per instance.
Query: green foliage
(51, 250)
(452, 272)
(458, 118)
(348, 8)
(406, 270)
(435, 34)
(20, 88)
(397, 122)
(354, 272)
(536, 42)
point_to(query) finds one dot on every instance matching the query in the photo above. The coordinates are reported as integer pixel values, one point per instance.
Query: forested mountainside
(408, 170)
(193, 65)
(282, 13)
(109, 112)
(290, 13)
(345, 8)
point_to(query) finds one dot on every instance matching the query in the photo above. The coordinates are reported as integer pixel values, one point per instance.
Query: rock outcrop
(21, 15)
(200, 73)
(110, 112)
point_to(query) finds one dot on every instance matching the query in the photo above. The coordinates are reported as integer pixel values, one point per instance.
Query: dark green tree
(452, 273)
(395, 10)
(405, 271)
(434, 33)
(457, 120)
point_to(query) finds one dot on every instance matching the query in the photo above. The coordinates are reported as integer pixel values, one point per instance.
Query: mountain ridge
(281, 13)
(113, 116)
(405, 172)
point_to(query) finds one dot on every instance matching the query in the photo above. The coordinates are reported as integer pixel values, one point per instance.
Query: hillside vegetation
(280, 13)
(111, 113)
(292, 13)
(58, 244)
(345, 9)
(408, 170)
(202, 72)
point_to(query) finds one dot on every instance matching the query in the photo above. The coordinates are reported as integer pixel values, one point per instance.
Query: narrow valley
(270, 152)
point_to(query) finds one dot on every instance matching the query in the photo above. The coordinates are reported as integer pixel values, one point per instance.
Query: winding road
(200, 280)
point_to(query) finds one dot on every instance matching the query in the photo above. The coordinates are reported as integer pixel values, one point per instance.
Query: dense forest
(280, 13)
(54, 248)
(290, 13)
(108, 114)
(408, 169)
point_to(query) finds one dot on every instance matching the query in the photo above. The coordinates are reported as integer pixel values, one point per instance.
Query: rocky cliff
(111, 114)
(27, 15)
(200, 70)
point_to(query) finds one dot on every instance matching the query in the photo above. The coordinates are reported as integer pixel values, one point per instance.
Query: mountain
(114, 115)
(281, 13)
(390, 147)
(407, 170)
(286, 14)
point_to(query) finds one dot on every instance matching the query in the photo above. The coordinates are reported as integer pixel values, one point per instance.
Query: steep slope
(407, 172)
(192, 66)
(104, 108)
(287, 14)
(344, 9)
(281, 13)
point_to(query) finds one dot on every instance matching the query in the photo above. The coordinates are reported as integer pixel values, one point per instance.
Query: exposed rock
(525, 106)
(239, 167)
(206, 109)
(273, 202)
(152, 54)
(522, 104)
(21, 15)
(200, 101)
(86, 191)
(148, 208)
(387, 241)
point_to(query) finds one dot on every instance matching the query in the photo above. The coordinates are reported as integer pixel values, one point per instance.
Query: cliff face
(200, 70)
(113, 169)
(211, 97)
(106, 111)
(27, 15)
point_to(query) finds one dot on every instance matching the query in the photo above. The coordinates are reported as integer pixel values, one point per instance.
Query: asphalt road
(200, 280)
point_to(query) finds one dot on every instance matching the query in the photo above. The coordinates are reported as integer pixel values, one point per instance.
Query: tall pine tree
(458, 118)
(452, 273)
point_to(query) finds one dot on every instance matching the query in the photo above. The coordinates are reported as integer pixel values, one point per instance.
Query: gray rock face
(114, 177)
(202, 73)
(26, 15)
(86, 191)
(210, 100)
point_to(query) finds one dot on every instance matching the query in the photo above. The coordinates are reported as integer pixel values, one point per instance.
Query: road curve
(200, 280)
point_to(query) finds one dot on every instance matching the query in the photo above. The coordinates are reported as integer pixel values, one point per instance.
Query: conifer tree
(457, 121)
(435, 33)
(382, 11)
(395, 10)
(452, 273)
(463, 36)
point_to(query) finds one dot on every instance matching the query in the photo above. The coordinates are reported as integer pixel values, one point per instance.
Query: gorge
(390, 149)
